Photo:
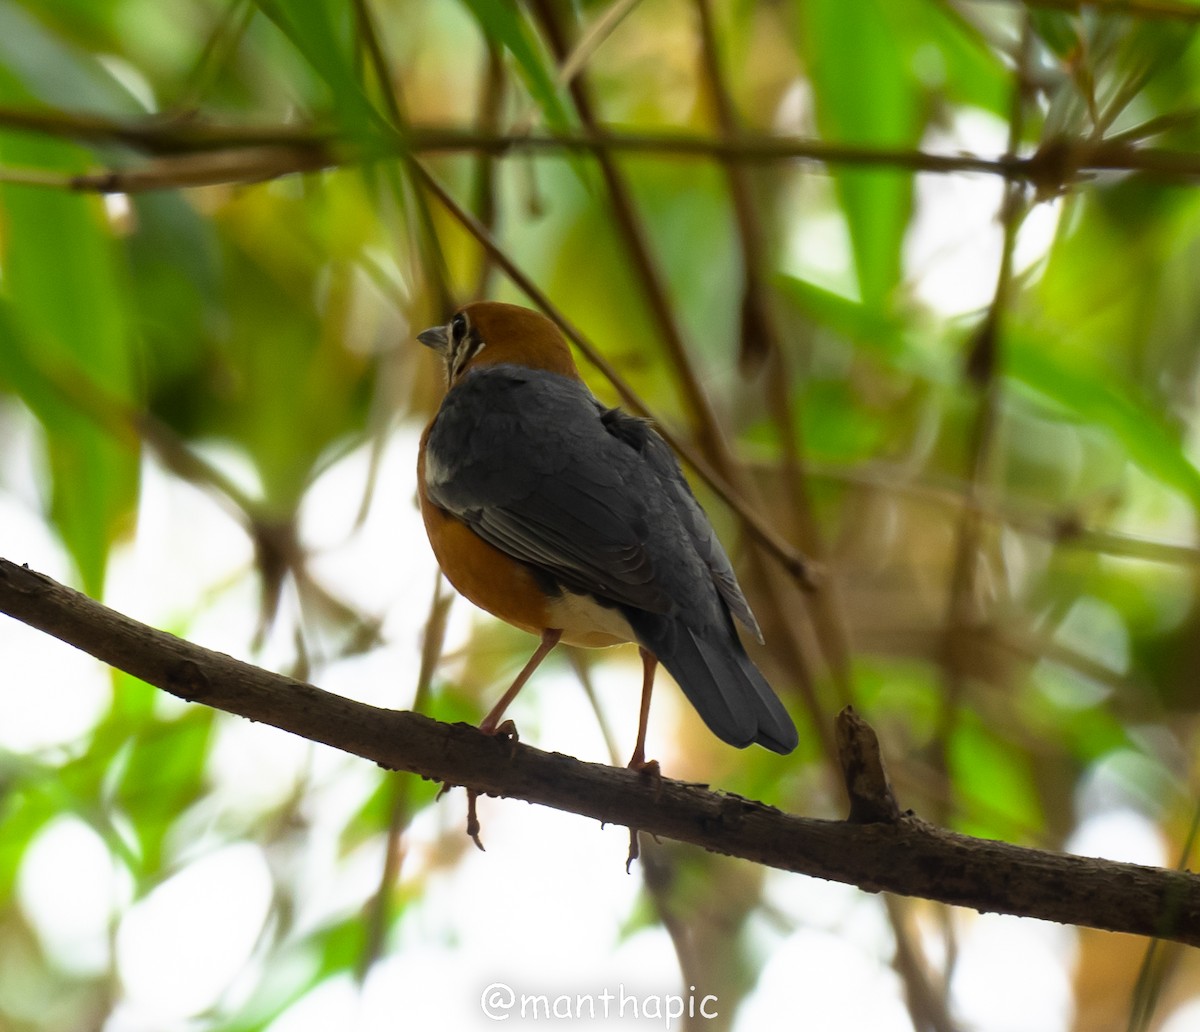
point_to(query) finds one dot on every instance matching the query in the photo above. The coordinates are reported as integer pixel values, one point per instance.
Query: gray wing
(522, 457)
(704, 539)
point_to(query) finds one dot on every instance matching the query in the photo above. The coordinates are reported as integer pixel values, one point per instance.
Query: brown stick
(906, 855)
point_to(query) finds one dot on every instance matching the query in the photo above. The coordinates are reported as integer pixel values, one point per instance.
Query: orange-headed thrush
(574, 522)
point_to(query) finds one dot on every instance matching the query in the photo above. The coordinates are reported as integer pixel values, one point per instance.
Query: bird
(573, 521)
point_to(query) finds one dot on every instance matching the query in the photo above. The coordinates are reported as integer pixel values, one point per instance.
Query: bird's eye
(458, 327)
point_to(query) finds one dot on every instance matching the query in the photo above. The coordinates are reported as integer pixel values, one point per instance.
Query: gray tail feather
(728, 692)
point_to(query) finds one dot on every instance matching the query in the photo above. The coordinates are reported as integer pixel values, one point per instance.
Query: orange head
(490, 332)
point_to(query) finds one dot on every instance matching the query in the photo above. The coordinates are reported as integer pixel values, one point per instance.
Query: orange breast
(484, 574)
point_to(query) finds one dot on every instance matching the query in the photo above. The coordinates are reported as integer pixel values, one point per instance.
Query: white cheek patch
(471, 346)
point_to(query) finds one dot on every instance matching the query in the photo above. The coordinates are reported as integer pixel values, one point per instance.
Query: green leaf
(320, 31)
(996, 781)
(295, 387)
(1086, 731)
(175, 275)
(954, 62)
(870, 327)
(31, 798)
(55, 72)
(505, 24)
(1058, 30)
(865, 93)
(1083, 388)
(69, 349)
(1073, 380)
(164, 772)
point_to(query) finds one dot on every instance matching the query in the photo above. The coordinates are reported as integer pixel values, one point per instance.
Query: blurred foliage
(1009, 549)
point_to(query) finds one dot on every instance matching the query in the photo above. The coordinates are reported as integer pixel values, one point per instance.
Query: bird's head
(490, 332)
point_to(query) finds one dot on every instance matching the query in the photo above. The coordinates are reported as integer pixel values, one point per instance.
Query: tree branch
(904, 855)
(194, 152)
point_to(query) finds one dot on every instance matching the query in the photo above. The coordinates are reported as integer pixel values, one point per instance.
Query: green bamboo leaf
(53, 71)
(70, 348)
(298, 387)
(1053, 371)
(856, 322)
(1060, 31)
(163, 773)
(1083, 389)
(954, 63)
(32, 798)
(865, 93)
(995, 780)
(506, 25)
(176, 280)
(326, 953)
(321, 32)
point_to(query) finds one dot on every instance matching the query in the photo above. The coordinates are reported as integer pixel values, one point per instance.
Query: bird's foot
(648, 767)
(473, 819)
(635, 847)
(473, 826)
(506, 729)
(639, 763)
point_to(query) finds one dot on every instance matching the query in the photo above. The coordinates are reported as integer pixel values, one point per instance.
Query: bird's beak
(434, 337)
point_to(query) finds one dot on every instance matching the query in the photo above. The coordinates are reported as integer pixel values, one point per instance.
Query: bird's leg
(638, 760)
(492, 720)
(491, 723)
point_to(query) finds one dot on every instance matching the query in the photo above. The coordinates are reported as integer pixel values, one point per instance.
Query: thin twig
(1161, 959)
(760, 336)
(703, 418)
(1145, 10)
(1052, 167)
(378, 909)
(485, 186)
(591, 39)
(982, 368)
(791, 559)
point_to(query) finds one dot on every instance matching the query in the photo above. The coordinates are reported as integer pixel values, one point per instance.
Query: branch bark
(904, 855)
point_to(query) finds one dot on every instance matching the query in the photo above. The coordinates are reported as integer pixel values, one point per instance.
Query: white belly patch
(585, 622)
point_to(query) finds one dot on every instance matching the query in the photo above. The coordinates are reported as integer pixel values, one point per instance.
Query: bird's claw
(473, 827)
(507, 729)
(648, 767)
